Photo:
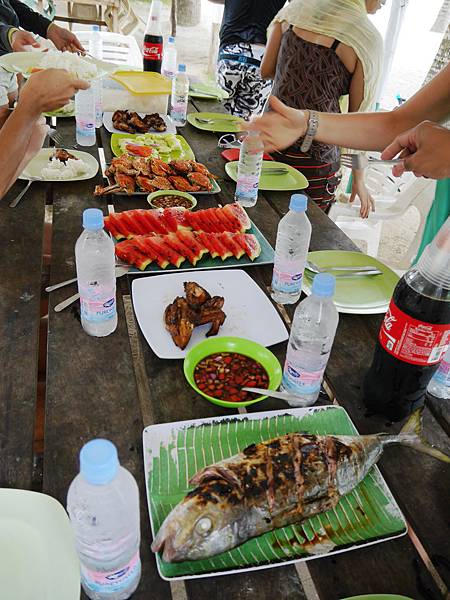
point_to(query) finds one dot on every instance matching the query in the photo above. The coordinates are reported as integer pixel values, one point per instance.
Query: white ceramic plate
(250, 313)
(37, 550)
(35, 166)
(360, 310)
(108, 124)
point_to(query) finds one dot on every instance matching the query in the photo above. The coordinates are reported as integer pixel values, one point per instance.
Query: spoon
(316, 269)
(291, 399)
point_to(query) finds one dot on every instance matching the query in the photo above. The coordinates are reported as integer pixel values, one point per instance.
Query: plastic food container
(136, 91)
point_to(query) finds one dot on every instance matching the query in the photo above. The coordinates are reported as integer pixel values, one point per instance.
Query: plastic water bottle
(103, 506)
(249, 169)
(291, 250)
(180, 97)
(85, 116)
(94, 256)
(96, 50)
(169, 63)
(312, 334)
(439, 385)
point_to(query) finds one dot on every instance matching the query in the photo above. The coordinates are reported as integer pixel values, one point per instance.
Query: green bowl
(232, 344)
(154, 195)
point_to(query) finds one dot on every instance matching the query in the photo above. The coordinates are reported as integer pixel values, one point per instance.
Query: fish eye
(203, 526)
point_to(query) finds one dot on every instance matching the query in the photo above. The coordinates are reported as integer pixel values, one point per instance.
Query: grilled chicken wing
(179, 322)
(195, 294)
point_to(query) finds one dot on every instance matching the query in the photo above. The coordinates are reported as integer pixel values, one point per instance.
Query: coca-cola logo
(152, 49)
(389, 320)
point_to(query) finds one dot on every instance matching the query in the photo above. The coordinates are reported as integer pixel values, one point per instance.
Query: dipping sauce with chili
(222, 375)
(170, 201)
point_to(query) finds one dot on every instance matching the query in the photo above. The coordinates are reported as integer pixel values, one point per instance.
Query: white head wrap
(346, 21)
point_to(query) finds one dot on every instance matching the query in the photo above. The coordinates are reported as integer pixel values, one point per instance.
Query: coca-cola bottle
(153, 40)
(414, 335)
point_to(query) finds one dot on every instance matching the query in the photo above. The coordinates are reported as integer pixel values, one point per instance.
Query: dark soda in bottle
(414, 335)
(153, 40)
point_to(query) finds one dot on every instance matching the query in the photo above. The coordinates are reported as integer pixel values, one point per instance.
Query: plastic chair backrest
(117, 48)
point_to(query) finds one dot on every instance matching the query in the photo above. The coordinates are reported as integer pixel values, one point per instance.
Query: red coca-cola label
(411, 340)
(153, 51)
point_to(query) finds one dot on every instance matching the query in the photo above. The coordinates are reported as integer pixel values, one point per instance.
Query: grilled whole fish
(272, 484)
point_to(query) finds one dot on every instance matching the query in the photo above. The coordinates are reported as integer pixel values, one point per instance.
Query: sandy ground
(416, 49)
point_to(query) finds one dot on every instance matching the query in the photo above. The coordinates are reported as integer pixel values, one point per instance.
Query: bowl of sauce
(171, 199)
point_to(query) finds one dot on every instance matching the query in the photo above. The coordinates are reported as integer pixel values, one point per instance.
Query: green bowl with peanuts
(223, 365)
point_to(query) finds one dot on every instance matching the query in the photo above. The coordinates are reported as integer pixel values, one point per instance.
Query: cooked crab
(145, 183)
(141, 165)
(199, 168)
(160, 168)
(200, 180)
(162, 183)
(180, 183)
(182, 166)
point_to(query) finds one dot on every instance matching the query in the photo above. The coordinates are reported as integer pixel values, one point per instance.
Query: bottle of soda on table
(153, 40)
(414, 335)
(439, 386)
(312, 334)
(95, 261)
(249, 169)
(103, 506)
(291, 251)
(180, 97)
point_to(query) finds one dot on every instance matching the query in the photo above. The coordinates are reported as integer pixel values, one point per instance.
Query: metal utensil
(361, 161)
(296, 400)
(209, 94)
(274, 171)
(65, 303)
(58, 139)
(119, 272)
(316, 269)
(19, 196)
(217, 120)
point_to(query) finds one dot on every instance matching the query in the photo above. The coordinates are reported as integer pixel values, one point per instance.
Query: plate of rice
(82, 67)
(46, 166)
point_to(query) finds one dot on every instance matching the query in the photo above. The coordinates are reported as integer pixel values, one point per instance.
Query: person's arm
(45, 91)
(269, 61)
(29, 19)
(362, 131)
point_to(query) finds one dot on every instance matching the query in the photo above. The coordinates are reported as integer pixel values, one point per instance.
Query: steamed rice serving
(74, 63)
(56, 169)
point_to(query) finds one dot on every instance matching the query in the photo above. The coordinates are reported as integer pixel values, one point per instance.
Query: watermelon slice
(161, 247)
(149, 251)
(135, 222)
(176, 244)
(129, 253)
(229, 242)
(188, 238)
(111, 228)
(237, 215)
(197, 223)
(116, 222)
(214, 245)
(249, 243)
(216, 223)
(227, 224)
(175, 218)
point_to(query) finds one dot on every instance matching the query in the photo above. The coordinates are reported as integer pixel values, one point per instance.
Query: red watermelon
(131, 254)
(249, 243)
(228, 240)
(237, 215)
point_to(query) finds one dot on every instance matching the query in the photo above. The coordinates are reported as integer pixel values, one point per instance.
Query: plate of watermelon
(173, 239)
(246, 307)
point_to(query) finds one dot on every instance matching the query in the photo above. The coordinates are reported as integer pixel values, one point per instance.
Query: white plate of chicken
(126, 121)
(234, 305)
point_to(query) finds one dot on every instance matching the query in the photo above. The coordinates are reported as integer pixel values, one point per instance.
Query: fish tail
(411, 436)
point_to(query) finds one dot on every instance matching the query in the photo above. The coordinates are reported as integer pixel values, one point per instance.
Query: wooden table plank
(91, 387)
(21, 234)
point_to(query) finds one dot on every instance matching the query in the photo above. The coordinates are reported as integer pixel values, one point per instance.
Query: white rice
(74, 63)
(56, 169)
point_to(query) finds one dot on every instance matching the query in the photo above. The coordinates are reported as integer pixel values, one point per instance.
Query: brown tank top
(311, 76)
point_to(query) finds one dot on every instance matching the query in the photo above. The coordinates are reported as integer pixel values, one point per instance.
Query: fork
(21, 194)
(225, 119)
(58, 139)
(361, 161)
(310, 266)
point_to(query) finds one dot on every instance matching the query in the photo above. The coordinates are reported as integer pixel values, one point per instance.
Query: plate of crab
(128, 174)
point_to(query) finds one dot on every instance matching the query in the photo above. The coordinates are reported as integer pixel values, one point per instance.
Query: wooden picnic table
(115, 386)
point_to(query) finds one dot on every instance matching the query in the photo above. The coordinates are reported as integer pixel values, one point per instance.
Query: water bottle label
(413, 341)
(85, 128)
(112, 581)
(442, 375)
(97, 303)
(287, 276)
(299, 380)
(247, 186)
(179, 110)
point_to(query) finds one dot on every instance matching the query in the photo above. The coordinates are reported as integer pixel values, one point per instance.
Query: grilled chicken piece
(195, 294)
(138, 123)
(211, 312)
(63, 156)
(179, 322)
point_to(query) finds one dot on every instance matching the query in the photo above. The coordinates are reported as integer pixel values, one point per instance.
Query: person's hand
(64, 39)
(425, 151)
(37, 138)
(49, 90)
(280, 127)
(360, 190)
(22, 40)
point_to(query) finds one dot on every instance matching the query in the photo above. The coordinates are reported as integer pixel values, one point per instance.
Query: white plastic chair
(392, 198)
(117, 48)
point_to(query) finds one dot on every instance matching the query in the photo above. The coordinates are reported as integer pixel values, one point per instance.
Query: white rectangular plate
(250, 313)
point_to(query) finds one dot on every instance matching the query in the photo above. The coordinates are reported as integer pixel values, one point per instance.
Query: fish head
(211, 519)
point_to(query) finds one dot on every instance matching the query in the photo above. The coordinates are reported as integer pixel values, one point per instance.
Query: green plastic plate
(265, 258)
(174, 452)
(207, 91)
(220, 122)
(186, 152)
(292, 180)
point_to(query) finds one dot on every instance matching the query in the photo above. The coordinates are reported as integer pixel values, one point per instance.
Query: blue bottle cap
(95, 27)
(298, 203)
(93, 219)
(99, 462)
(324, 285)
(182, 68)
(171, 39)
